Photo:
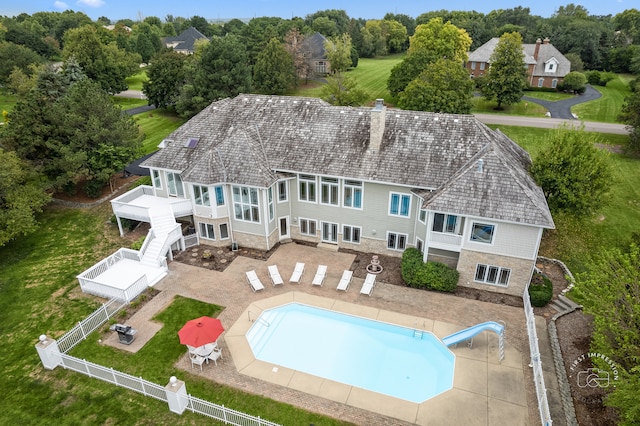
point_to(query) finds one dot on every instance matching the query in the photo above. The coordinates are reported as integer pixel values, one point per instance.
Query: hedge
(430, 275)
(540, 290)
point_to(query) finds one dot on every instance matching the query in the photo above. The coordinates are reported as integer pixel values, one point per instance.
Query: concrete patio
(485, 391)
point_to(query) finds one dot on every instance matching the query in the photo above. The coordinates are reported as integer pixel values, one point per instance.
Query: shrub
(431, 275)
(137, 244)
(540, 290)
(93, 188)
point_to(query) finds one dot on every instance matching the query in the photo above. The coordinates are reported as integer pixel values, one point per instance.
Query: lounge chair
(276, 279)
(368, 285)
(297, 273)
(254, 281)
(320, 274)
(345, 280)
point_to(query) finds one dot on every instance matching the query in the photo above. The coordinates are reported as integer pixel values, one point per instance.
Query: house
(185, 42)
(257, 170)
(546, 66)
(312, 48)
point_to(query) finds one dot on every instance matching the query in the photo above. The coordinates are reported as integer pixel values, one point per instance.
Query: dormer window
(551, 65)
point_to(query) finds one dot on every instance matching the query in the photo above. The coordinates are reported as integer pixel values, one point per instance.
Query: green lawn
(7, 101)
(128, 103)
(156, 125)
(372, 75)
(607, 108)
(547, 96)
(135, 81)
(482, 106)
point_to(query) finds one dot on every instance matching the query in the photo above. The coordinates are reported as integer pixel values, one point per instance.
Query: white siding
(509, 239)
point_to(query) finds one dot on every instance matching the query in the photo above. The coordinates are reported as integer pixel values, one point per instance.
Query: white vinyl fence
(136, 384)
(541, 390)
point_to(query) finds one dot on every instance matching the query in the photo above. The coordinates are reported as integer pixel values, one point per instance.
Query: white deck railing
(191, 240)
(88, 282)
(446, 238)
(536, 362)
(181, 207)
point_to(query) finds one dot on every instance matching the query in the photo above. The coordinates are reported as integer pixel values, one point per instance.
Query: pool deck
(485, 391)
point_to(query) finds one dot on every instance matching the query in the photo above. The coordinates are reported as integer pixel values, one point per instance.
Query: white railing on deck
(106, 263)
(181, 207)
(445, 238)
(191, 240)
(536, 362)
(89, 325)
(150, 236)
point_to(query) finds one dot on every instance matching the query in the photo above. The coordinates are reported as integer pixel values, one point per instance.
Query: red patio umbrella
(200, 331)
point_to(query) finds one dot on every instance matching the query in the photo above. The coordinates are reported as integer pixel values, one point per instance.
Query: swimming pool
(373, 355)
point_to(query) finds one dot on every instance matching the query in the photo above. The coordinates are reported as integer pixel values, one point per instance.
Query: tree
(342, 89)
(338, 51)
(166, 77)
(431, 42)
(575, 82)
(506, 78)
(100, 58)
(576, 62)
(222, 71)
(630, 115)
(610, 292)
(21, 197)
(444, 86)
(293, 45)
(274, 72)
(12, 56)
(574, 175)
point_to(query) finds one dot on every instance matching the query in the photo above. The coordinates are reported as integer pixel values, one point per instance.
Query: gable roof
(249, 139)
(484, 52)
(186, 40)
(313, 46)
(546, 52)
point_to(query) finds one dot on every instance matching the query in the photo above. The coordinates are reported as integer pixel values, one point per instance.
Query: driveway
(562, 109)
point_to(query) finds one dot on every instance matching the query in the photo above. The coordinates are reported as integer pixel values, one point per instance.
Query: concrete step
(562, 303)
(326, 246)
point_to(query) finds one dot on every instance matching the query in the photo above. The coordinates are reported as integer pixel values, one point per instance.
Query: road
(551, 123)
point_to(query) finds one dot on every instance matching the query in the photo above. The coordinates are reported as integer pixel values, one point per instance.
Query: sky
(246, 9)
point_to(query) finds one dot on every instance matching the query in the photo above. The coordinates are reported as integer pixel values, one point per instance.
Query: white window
(207, 231)
(473, 65)
(422, 216)
(219, 196)
(351, 234)
(446, 223)
(540, 82)
(174, 181)
(492, 275)
(399, 204)
(420, 245)
(482, 232)
(224, 231)
(308, 227)
(270, 203)
(307, 188)
(157, 182)
(396, 241)
(352, 194)
(554, 83)
(201, 194)
(245, 204)
(329, 191)
(282, 191)
(482, 64)
(321, 67)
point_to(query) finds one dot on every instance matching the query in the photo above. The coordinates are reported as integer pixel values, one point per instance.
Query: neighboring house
(184, 43)
(257, 170)
(312, 48)
(546, 66)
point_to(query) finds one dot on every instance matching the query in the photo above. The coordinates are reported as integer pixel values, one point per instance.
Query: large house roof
(185, 41)
(313, 46)
(546, 52)
(249, 139)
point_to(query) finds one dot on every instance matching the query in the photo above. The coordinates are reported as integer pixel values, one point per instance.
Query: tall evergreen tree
(274, 72)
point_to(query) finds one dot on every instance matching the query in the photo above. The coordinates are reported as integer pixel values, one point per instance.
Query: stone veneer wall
(521, 270)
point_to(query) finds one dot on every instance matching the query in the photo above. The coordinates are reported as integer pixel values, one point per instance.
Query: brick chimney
(537, 49)
(376, 129)
(546, 40)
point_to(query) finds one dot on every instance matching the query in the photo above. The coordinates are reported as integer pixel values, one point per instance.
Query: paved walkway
(487, 398)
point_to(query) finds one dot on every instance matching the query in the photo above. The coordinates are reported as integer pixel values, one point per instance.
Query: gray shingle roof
(186, 40)
(313, 46)
(484, 52)
(249, 139)
(545, 53)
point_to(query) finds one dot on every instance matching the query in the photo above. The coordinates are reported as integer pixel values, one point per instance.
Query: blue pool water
(368, 354)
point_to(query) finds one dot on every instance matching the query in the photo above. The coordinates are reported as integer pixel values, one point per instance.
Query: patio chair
(297, 273)
(215, 355)
(345, 280)
(197, 359)
(254, 281)
(369, 283)
(276, 279)
(320, 274)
